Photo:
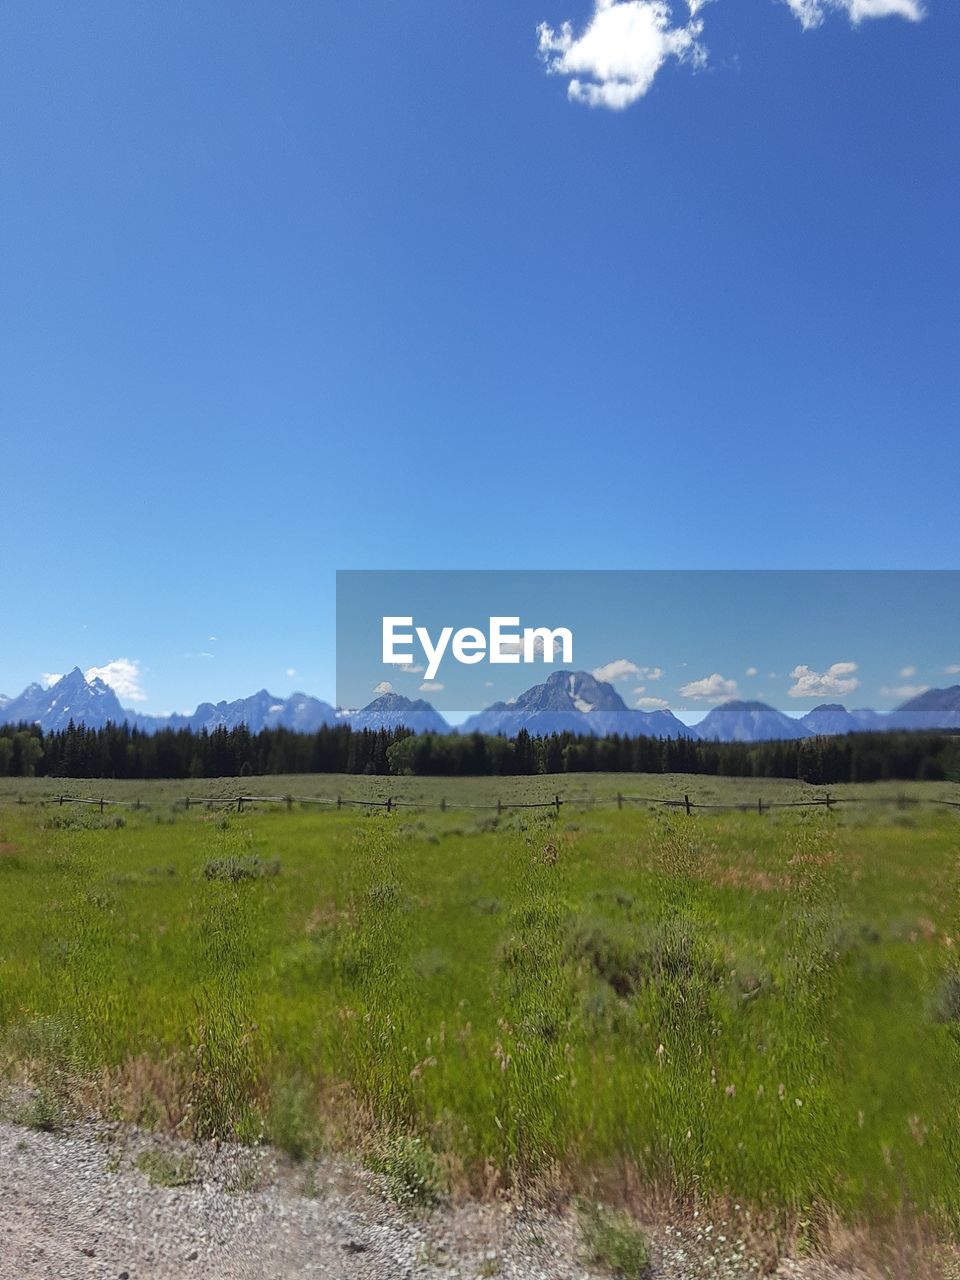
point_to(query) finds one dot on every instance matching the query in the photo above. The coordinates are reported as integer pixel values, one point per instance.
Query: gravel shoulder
(78, 1205)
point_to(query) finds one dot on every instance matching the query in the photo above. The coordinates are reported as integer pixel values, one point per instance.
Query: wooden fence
(243, 802)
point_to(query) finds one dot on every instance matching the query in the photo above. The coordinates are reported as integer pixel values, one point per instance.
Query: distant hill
(935, 709)
(262, 710)
(574, 702)
(867, 720)
(831, 718)
(393, 711)
(749, 722)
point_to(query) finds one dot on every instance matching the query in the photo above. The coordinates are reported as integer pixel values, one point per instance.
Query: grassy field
(764, 1007)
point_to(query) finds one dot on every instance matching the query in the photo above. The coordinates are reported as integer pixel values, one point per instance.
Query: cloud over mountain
(713, 688)
(123, 675)
(835, 681)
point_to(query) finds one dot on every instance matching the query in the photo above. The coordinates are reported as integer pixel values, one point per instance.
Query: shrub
(614, 1241)
(235, 869)
(163, 1170)
(629, 958)
(948, 997)
(411, 1171)
(43, 1112)
(290, 1125)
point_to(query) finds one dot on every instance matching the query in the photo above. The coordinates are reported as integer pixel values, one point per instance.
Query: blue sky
(297, 287)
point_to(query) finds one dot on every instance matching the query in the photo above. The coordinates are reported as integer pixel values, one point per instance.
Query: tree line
(119, 751)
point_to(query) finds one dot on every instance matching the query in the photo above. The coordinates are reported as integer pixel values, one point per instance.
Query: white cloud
(431, 686)
(383, 687)
(837, 680)
(751, 671)
(291, 672)
(620, 51)
(651, 704)
(412, 668)
(907, 673)
(123, 675)
(713, 688)
(812, 12)
(953, 669)
(48, 678)
(619, 669)
(615, 59)
(624, 669)
(904, 691)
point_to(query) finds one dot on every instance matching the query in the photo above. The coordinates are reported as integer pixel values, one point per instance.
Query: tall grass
(761, 1007)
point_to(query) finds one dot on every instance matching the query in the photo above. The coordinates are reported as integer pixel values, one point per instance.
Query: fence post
(389, 803)
(499, 806)
(339, 801)
(558, 802)
(760, 805)
(61, 802)
(239, 804)
(619, 800)
(686, 804)
(443, 805)
(101, 804)
(829, 801)
(289, 803)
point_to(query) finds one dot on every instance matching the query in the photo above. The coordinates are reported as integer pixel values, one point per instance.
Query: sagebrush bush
(235, 869)
(165, 1170)
(412, 1173)
(948, 997)
(614, 1241)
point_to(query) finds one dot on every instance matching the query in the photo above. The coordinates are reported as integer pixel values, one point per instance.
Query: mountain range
(573, 701)
(94, 703)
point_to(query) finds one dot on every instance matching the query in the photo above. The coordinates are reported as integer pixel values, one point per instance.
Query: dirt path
(79, 1206)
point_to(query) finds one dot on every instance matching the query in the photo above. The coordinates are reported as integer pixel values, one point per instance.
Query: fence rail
(242, 802)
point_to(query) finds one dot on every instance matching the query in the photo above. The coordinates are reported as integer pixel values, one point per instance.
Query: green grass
(727, 1004)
